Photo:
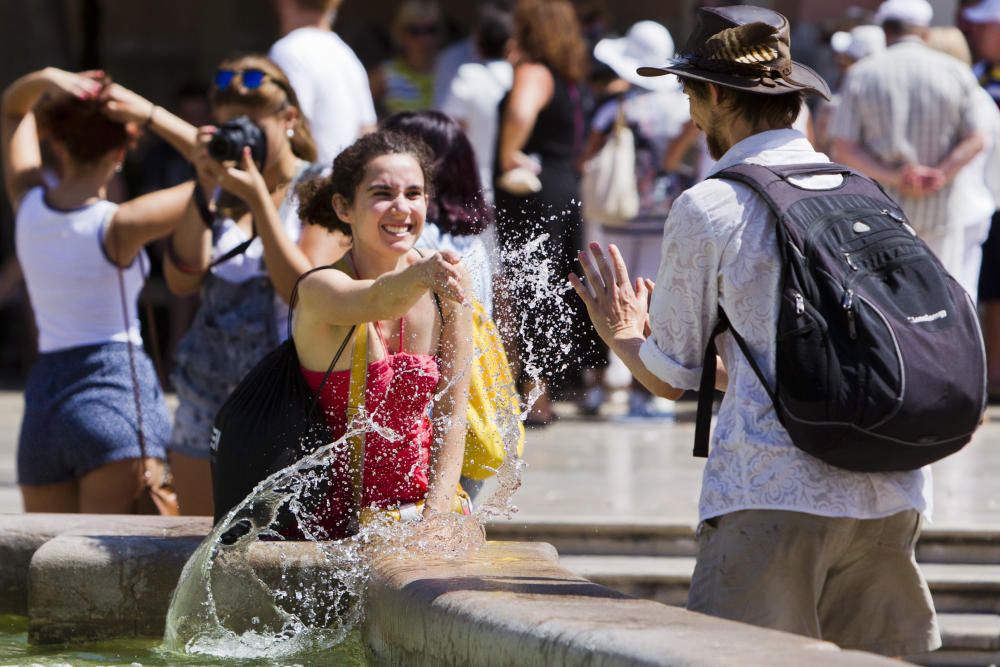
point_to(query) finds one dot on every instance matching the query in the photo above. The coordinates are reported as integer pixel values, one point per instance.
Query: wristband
(176, 261)
(149, 120)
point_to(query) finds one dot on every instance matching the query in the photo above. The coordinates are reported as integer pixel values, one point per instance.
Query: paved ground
(610, 468)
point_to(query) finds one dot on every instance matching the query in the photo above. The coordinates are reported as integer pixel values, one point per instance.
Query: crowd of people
(411, 180)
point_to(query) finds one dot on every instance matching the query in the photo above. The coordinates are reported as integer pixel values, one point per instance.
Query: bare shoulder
(319, 285)
(533, 74)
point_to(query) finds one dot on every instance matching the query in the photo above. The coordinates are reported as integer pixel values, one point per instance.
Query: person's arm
(455, 361)
(532, 89)
(961, 155)
(22, 155)
(144, 219)
(619, 311)
(337, 299)
(189, 252)
(125, 106)
(853, 154)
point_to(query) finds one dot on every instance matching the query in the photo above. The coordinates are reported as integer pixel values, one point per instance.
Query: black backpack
(881, 364)
(270, 420)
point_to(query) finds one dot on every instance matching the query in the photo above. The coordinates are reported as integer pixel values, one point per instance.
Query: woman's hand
(125, 106)
(245, 181)
(618, 309)
(83, 86)
(441, 273)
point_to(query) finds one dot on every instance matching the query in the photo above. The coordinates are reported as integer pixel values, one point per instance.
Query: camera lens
(229, 140)
(221, 148)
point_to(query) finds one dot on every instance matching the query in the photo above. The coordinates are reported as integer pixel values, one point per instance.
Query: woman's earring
(290, 132)
(118, 168)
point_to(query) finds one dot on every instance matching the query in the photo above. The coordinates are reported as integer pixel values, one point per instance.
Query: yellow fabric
(355, 405)
(493, 401)
(460, 504)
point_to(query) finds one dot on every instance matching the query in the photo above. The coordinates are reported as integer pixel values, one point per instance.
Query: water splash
(248, 593)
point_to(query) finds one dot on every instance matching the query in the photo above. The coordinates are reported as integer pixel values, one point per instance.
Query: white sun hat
(910, 12)
(645, 42)
(863, 40)
(987, 11)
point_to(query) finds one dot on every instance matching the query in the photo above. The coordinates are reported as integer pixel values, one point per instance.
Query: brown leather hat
(742, 47)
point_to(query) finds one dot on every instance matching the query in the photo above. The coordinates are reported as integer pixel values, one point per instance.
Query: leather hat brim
(803, 78)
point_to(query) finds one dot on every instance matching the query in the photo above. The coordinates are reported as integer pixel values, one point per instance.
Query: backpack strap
(706, 390)
(773, 185)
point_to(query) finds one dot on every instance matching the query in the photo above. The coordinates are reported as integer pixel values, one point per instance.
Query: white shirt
(250, 263)
(719, 248)
(447, 65)
(475, 254)
(473, 100)
(331, 85)
(73, 286)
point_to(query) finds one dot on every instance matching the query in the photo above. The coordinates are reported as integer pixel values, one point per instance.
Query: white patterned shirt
(719, 248)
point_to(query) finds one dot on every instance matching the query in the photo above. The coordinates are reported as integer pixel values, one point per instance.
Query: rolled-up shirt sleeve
(685, 301)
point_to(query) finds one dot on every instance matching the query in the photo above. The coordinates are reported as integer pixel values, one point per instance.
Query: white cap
(864, 40)
(987, 11)
(910, 12)
(645, 43)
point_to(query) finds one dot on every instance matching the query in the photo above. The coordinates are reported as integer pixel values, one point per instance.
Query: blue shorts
(79, 413)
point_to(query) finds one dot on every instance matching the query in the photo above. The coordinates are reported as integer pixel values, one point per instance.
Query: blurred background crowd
(457, 57)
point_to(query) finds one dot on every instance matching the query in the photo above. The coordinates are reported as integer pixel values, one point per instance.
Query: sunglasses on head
(251, 78)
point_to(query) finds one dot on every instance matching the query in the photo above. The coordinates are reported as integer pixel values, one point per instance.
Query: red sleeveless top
(398, 444)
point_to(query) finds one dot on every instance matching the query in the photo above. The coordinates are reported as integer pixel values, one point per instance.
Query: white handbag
(609, 190)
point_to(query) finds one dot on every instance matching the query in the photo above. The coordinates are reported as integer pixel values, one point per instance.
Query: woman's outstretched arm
(335, 298)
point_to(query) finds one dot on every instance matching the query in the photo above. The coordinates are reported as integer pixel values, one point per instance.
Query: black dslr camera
(229, 139)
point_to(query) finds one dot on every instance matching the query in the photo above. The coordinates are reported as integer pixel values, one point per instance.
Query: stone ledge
(507, 606)
(82, 588)
(509, 603)
(21, 535)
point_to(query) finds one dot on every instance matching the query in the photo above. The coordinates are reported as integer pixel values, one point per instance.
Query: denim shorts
(79, 413)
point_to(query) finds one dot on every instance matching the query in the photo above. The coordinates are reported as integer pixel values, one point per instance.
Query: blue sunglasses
(250, 78)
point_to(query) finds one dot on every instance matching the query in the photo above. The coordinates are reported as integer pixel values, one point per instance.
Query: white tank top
(72, 284)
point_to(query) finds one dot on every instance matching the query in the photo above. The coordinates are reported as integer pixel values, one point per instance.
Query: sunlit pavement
(615, 468)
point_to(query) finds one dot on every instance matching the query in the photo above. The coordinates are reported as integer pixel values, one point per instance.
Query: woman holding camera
(244, 255)
(93, 391)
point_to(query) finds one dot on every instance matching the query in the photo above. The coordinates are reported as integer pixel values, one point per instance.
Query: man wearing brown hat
(785, 540)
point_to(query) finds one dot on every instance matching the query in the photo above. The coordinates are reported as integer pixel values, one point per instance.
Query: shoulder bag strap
(144, 473)
(342, 266)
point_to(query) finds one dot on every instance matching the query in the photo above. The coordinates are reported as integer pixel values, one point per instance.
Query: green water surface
(16, 652)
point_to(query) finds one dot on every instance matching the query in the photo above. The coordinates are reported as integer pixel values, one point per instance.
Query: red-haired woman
(83, 259)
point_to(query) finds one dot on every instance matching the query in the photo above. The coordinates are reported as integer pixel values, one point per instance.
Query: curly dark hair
(458, 206)
(82, 128)
(316, 194)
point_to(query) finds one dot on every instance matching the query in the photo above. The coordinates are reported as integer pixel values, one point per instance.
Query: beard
(716, 145)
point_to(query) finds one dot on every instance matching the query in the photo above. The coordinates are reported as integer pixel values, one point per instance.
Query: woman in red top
(419, 328)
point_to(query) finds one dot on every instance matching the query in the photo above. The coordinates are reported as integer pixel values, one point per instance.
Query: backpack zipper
(848, 305)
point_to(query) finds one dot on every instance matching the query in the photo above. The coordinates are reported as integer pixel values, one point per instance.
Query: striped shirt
(909, 105)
